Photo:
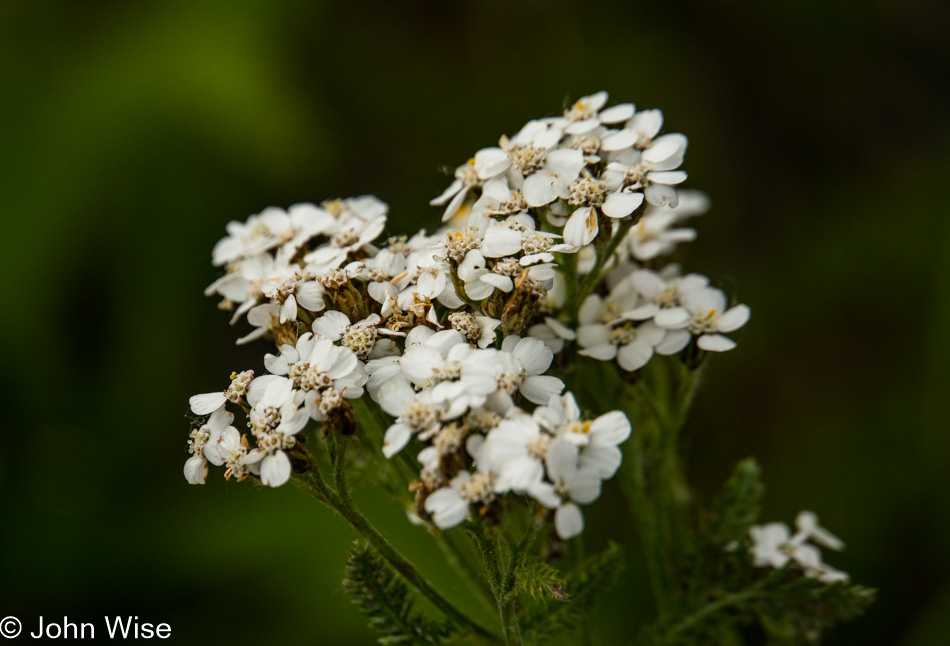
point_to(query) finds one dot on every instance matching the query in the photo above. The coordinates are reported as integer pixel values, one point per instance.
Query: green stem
(314, 484)
(724, 602)
(461, 558)
(654, 483)
(579, 554)
(603, 255)
(636, 486)
(501, 582)
(373, 422)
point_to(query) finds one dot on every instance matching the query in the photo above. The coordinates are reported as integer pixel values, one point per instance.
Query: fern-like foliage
(583, 588)
(804, 611)
(387, 602)
(738, 505)
(540, 580)
(724, 598)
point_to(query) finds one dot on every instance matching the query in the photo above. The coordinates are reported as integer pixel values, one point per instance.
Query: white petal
(634, 355)
(585, 485)
(490, 162)
(617, 113)
(545, 494)
(310, 296)
(618, 140)
(733, 318)
(196, 470)
(560, 329)
(647, 123)
(666, 153)
(501, 241)
(593, 335)
(207, 403)
(569, 521)
(566, 163)
(610, 428)
(275, 469)
(601, 352)
(602, 459)
(447, 508)
(620, 205)
(673, 342)
(582, 127)
(561, 460)
(540, 389)
(660, 195)
(519, 474)
(595, 101)
(478, 290)
(539, 189)
(581, 227)
(668, 177)
(455, 204)
(672, 318)
(447, 194)
(533, 355)
(331, 325)
(715, 343)
(504, 283)
(591, 309)
(397, 436)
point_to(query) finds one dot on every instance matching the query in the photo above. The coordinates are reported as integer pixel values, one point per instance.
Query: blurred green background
(132, 132)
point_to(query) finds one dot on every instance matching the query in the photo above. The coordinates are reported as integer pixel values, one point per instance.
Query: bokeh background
(132, 132)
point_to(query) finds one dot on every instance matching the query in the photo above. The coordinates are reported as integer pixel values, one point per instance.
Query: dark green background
(130, 133)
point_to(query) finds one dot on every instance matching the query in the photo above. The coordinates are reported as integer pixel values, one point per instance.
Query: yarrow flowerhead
(552, 244)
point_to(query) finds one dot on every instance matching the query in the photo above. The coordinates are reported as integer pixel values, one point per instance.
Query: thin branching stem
(604, 253)
(502, 581)
(314, 484)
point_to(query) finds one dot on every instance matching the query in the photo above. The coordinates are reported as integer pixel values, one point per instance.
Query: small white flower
(519, 366)
(553, 333)
(317, 364)
(664, 305)
(638, 132)
(486, 164)
(709, 318)
(652, 171)
(653, 235)
(561, 167)
(351, 235)
(808, 527)
(598, 439)
(449, 506)
(607, 331)
(774, 546)
(570, 484)
(276, 415)
(586, 115)
(269, 229)
(196, 469)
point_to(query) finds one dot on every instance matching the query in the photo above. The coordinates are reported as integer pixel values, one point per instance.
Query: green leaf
(801, 612)
(584, 587)
(539, 580)
(384, 598)
(738, 505)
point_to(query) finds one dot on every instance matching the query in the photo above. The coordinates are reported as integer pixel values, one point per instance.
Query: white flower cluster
(576, 175)
(451, 334)
(773, 545)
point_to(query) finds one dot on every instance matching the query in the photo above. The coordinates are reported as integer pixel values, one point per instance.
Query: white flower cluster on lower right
(773, 545)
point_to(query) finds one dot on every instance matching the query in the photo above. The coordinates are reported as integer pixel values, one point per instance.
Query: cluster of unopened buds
(553, 243)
